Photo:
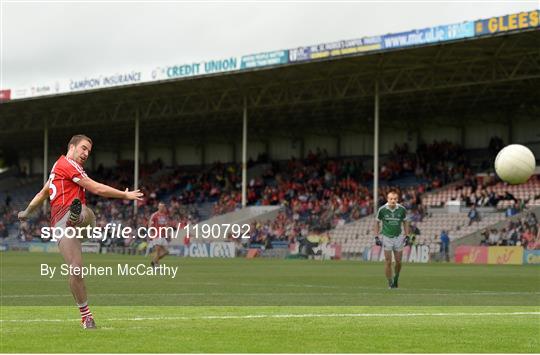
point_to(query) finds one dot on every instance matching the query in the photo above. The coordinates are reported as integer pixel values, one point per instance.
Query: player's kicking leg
(75, 211)
(80, 216)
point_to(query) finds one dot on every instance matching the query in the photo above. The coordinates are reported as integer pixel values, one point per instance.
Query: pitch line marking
(401, 294)
(307, 315)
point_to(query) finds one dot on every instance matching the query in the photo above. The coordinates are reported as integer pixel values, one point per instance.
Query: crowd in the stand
(317, 193)
(9, 216)
(317, 190)
(156, 186)
(484, 195)
(440, 163)
(523, 232)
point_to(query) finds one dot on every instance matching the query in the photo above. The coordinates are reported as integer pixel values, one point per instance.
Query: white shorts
(395, 244)
(158, 241)
(89, 219)
(62, 222)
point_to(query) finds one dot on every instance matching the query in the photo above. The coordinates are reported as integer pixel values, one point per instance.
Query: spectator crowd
(316, 193)
(524, 232)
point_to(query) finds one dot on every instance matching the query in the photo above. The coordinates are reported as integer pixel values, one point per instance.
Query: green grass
(184, 329)
(239, 305)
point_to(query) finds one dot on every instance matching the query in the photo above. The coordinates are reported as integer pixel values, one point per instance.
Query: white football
(515, 164)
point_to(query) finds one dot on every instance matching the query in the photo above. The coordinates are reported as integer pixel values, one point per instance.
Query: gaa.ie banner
(210, 250)
(466, 254)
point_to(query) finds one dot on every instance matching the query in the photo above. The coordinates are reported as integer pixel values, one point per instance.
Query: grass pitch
(238, 305)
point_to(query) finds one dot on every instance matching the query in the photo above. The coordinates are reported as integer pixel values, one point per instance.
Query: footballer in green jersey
(392, 217)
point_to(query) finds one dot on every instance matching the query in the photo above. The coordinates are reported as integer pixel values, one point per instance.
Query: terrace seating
(356, 236)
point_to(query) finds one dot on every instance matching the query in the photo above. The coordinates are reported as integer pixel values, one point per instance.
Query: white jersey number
(52, 193)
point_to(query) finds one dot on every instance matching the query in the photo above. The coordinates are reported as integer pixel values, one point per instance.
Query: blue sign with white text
(429, 35)
(264, 59)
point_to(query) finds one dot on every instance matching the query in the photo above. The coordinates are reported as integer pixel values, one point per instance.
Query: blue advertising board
(264, 59)
(531, 257)
(429, 35)
(469, 29)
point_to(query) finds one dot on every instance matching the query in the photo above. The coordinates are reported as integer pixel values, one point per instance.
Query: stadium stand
(485, 192)
(318, 193)
(523, 232)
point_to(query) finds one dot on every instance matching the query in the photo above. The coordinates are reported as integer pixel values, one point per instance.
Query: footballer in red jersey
(63, 189)
(66, 189)
(160, 222)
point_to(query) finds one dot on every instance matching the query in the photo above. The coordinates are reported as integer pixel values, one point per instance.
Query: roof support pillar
(376, 149)
(244, 154)
(45, 159)
(136, 161)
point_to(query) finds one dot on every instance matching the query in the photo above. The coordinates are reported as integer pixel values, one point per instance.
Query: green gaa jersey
(391, 220)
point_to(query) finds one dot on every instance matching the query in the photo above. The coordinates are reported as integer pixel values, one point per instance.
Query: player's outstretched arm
(107, 191)
(37, 201)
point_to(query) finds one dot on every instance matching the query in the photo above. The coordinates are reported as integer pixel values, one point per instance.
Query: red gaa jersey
(63, 187)
(160, 220)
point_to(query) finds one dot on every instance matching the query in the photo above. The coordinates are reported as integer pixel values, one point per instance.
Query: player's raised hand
(133, 195)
